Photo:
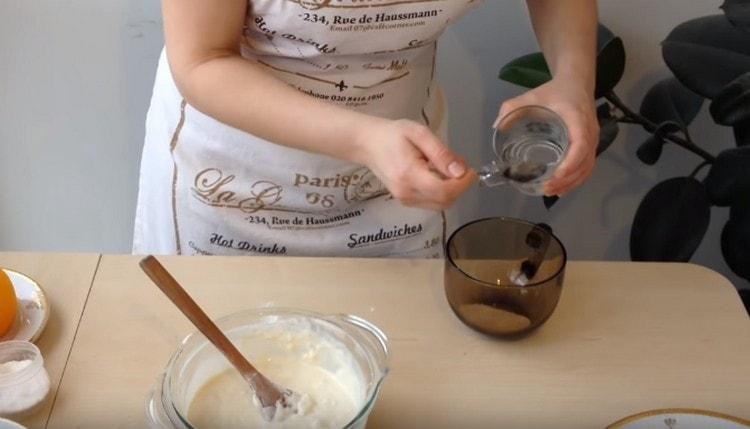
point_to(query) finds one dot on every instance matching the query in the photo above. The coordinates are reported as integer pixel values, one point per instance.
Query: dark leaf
(550, 201)
(670, 222)
(738, 12)
(732, 105)
(669, 100)
(735, 245)
(531, 71)
(603, 111)
(745, 297)
(740, 208)
(528, 71)
(707, 53)
(742, 134)
(608, 126)
(603, 36)
(610, 61)
(729, 177)
(700, 167)
(650, 151)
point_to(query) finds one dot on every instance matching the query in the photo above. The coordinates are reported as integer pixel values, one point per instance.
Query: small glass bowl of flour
(24, 383)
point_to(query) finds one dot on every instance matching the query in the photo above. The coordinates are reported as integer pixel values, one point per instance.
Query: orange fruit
(8, 304)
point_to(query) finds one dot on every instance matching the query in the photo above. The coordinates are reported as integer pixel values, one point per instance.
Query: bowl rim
(508, 286)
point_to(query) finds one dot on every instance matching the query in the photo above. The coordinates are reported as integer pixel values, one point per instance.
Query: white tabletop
(625, 338)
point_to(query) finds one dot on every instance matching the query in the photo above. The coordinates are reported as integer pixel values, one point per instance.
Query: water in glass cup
(529, 145)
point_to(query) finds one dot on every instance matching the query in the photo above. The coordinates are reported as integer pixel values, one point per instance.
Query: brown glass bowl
(482, 265)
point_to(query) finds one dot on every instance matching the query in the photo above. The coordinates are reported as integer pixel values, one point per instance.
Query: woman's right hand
(416, 167)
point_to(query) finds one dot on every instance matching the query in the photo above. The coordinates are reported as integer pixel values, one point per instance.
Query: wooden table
(625, 338)
(66, 280)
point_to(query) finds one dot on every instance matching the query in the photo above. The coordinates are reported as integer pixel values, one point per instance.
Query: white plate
(33, 308)
(680, 418)
(8, 424)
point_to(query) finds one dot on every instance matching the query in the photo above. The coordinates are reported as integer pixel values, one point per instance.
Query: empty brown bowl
(504, 276)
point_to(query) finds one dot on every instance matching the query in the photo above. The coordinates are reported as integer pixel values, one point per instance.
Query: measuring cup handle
(491, 175)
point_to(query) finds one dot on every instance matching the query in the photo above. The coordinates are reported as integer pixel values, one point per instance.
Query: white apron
(208, 188)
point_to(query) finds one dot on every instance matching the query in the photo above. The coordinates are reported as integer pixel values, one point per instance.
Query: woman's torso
(376, 56)
(207, 188)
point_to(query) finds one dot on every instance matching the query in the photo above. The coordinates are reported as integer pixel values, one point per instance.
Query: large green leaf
(738, 12)
(528, 71)
(532, 70)
(732, 105)
(670, 222)
(669, 100)
(728, 181)
(707, 53)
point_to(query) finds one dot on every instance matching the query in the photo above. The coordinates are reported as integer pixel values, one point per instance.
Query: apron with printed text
(208, 188)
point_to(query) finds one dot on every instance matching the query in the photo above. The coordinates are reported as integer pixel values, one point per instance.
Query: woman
(316, 127)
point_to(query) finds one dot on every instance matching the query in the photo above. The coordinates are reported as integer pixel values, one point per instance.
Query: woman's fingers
(575, 105)
(507, 107)
(415, 166)
(564, 185)
(436, 153)
(437, 193)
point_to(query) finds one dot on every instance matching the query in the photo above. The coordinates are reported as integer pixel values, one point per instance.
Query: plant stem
(633, 117)
(626, 120)
(699, 168)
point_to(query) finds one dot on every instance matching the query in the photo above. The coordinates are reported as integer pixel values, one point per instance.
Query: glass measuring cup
(529, 144)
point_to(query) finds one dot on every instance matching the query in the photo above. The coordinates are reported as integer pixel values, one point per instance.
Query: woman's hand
(575, 105)
(415, 166)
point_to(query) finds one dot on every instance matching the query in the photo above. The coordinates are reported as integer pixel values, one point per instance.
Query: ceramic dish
(680, 418)
(33, 308)
(9, 424)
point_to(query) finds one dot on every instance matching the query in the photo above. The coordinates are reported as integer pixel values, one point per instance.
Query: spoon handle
(267, 393)
(538, 239)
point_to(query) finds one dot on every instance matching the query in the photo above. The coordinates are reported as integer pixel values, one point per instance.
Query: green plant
(710, 59)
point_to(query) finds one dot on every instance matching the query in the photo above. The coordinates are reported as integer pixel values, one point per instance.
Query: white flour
(24, 395)
(13, 366)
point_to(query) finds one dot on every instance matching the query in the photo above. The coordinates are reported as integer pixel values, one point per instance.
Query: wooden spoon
(268, 394)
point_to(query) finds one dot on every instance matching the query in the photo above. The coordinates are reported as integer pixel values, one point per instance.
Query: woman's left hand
(575, 105)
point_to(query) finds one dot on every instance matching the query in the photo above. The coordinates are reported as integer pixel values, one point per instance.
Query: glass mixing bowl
(196, 361)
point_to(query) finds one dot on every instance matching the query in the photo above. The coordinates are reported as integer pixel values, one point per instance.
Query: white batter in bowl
(336, 363)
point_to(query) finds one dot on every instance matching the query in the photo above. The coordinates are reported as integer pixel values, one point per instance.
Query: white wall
(75, 81)
(74, 86)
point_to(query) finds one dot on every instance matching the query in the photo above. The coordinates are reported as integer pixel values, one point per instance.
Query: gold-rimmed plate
(680, 418)
(10, 424)
(33, 308)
